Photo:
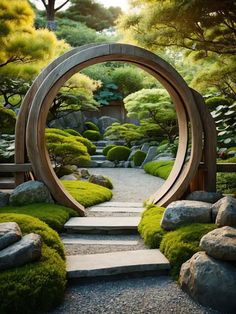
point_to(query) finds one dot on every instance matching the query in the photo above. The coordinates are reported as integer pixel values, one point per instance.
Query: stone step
(98, 157)
(99, 151)
(108, 225)
(101, 143)
(108, 264)
(121, 204)
(115, 209)
(95, 239)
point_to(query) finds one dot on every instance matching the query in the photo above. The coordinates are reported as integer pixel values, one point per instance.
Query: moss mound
(149, 226)
(107, 148)
(118, 153)
(86, 193)
(53, 215)
(92, 135)
(39, 286)
(160, 169)
(7, 121)
(91, 126)
(72, 132)
(178, 246)
(139, 157)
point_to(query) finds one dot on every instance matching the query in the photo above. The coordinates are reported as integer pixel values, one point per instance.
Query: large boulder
(104, 122)
(226, 211)
(27, 250)
(203, 196)
(220, 243)
(72, 120)
(4, 199)
(9, 233)
(69, 177)
(30, 192)
(151, 153)
(101, 180)
(182, 212)
(210, 282)
(145, 147)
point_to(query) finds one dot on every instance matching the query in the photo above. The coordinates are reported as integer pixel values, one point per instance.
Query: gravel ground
(130, 185)
(150, 295)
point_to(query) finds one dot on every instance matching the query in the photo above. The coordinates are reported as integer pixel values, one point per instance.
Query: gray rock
(181, 212)
(27, 250)
(210, 282)
(4, 199)
(203, 196)
(164, 156)
(84, 173)
(220, 243)
(9, 233)
(127, 164)
(30, 192)
(101, 180)
(150, 154)
(73, 120)
(69, 177)
(226, 211)
(133, 151)
(105, 122)
(108, 164)
(145, 147)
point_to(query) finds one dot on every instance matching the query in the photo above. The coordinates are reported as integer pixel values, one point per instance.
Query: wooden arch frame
(189, 108)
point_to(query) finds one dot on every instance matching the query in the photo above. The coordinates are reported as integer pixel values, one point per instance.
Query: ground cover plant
(118, 153)
(92, 135)
(37, 286)
(86, 193)
(53, 215)
(160, 169)
(107, 148)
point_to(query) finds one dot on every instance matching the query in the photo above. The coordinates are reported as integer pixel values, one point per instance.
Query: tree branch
(61, 6)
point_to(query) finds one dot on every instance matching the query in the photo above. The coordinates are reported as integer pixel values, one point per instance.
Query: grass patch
(53, 215)
(178, 246)
(149, 226)
(160, 169)
(38, 286)
(86, 193)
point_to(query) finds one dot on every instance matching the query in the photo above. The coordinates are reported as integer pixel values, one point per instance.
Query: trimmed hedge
(92, 135)
(118, 153)
(91, 126)
(139, 157)
(160, 169)
(72, 132)
(53, 215)
(86, 193)
(107, 148)
(37, 286)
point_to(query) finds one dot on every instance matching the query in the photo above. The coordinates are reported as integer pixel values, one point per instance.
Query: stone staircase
(106, 243)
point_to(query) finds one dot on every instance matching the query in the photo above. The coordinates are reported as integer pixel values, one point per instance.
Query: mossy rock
(118, 153)
(7, 121)
(138, 157)
(92, 135)
(39, 285)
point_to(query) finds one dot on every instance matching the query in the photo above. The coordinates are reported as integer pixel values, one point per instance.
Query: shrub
(107, 148)
(38, 285)
(149, 226)
(226, 183)
(53, 215)
(7, 148)
(7, 121)
(118, 153)
(214, 102)
(178, 246)
(91, 126)
(160, 169)
(139, 157)
(86, 193)
(72, 132)
(92, 135)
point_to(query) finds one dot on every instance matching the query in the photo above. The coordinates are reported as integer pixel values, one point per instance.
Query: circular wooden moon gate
(190, 108)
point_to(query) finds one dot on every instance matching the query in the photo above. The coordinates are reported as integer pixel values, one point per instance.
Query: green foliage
(160, 169)
(107, 148)
(118, 153)
(107, 93)
(53, 215)
(178, 246)
(128, 132)
(91, 126)
(7, 148)
(214, 102)
(226, 183)
(166, 147)
(38, 285)
(86, 193)
(92, 135)
(139, 157)
(72, 132)
(7, 121)
(149, 226)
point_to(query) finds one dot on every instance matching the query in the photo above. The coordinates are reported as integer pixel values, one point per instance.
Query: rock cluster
(17, 250)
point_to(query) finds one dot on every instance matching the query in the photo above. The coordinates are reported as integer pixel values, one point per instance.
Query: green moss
(92, 135)
(72, 132)
(160, 169)
(226, 183)
(91, 126)
(118, 153)
(53, 215)
(178, 246)
(149, 226)
(107, 148)
(38, 286)
(139, 157)
(87, 193)
(7, 121)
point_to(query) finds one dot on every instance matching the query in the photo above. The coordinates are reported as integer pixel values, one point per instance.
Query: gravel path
(130, 185)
